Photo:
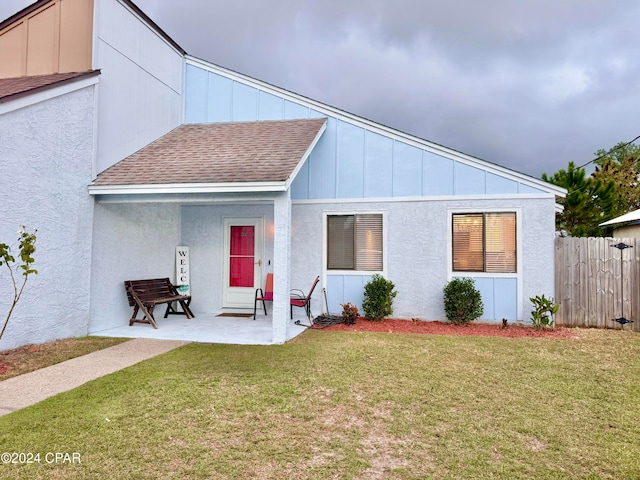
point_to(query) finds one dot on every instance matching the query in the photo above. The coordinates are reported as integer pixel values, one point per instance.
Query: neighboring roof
(13, 88)
(231, 154)
(36, 5)
(626, 218)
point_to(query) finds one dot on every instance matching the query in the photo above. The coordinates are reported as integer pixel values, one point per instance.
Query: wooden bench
(146, 294)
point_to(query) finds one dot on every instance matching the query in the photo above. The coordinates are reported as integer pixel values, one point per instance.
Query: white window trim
(518, 275)
(325, 244)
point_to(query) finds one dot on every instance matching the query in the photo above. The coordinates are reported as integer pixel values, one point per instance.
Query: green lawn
(350, 405)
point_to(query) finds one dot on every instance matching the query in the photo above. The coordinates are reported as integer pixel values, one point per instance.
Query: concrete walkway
(31, 388)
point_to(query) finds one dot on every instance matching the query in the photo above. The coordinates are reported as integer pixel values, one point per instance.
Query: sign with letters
(182, 270)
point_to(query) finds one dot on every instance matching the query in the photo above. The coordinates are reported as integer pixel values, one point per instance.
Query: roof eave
(86, 76)
(182, 188)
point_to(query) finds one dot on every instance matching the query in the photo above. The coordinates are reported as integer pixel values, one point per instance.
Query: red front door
(241, 255)
(242, 261)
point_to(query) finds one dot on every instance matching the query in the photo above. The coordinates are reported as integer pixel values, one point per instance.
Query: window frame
(325, 253)
(470, 273)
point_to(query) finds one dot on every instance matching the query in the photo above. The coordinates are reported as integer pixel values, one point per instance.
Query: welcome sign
(182, 270)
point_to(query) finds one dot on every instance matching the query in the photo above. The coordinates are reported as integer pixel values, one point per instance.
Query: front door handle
(259, 262)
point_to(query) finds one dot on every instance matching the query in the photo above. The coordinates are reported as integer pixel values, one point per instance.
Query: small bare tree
(27, 246)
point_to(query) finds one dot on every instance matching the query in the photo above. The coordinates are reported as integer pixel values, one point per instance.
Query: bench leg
(147, 316)
(186, 311)
(185, 308)
(135, 314)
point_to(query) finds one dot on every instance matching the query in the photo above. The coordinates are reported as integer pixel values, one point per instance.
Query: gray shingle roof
(264, 151)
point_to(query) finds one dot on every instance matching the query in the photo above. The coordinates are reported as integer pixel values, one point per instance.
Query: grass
(352, 406)
(33, 357)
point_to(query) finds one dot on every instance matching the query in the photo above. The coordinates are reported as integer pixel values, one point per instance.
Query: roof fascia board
(192, 198)
(16, 102)
(435, 198)
(378, 128)
(306, 155)
(23, 13)
(186, 188)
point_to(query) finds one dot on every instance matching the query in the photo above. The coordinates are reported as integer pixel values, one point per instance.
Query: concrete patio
(208, 328)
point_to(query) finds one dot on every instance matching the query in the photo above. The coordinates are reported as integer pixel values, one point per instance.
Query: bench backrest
(148, 290)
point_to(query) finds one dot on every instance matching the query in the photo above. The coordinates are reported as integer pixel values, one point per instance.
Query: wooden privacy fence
(594, 285)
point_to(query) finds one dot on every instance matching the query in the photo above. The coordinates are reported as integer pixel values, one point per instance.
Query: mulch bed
(393, 325)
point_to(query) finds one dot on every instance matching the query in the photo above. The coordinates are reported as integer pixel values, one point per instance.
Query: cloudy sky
(527, 84)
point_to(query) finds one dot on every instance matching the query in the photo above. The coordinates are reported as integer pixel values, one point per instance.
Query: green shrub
(462, 301)
(378, 298)
(544, 311)
(349, 313)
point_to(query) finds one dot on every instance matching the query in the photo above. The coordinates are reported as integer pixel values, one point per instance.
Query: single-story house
(625, 226)
(119, 147)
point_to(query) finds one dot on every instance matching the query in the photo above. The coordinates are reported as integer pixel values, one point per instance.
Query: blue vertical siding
(527, 189)
(486, 288)
(322, 164)
(506, 299)
(345, 288)
(378, 165)
(496, 184)
(335, 293)
(354, 289)
(407, 170)
(468, 180)
(437, 175)
(271, 107)
(300, 186)
(295, 110)
(500, 298)
(245, 103)
(348, 161)
(195, 95)
(219, 94)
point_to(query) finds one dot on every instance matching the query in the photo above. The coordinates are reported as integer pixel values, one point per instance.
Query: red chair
(298, 299)
(266, 296)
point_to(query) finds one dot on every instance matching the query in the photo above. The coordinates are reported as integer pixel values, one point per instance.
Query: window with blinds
(354, 242)
(484, 242)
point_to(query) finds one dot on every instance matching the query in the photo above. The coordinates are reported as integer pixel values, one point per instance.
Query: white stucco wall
(202, 232)
(46, 154)
(417, 249)
(130, 242)
(138, 240)
(627, 231)
(140, 93)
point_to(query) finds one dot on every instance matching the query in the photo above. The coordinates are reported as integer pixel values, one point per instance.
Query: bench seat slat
(146, 294)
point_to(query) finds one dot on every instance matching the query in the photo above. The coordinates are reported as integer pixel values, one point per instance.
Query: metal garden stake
(622, 321)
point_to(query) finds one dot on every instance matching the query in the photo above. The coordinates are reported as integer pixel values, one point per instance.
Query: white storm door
(242, 261)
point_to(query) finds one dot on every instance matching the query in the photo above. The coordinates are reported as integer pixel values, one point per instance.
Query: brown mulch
(394, 325)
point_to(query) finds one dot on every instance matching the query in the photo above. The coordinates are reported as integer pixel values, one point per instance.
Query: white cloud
(567, 81)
